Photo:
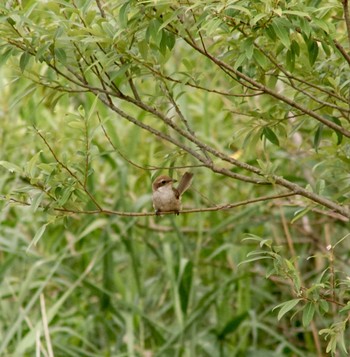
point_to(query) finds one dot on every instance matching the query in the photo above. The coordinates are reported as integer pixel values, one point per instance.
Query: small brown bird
(167, 198)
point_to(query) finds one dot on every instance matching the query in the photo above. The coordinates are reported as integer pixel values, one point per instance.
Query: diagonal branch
(275, 178)
(225, 67)
(186, 148)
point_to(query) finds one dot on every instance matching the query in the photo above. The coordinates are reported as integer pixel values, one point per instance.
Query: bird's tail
(185, 182)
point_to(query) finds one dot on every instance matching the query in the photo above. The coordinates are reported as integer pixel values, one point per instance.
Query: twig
(146, 214)
(100, 7)
(277, 179)
(186, 148)
(68, 169)
(291, 78)
(148, 167)
(227, 68)
(232, 72)
(87, 153)
(196, 86)
(117, 150)
(184, 119)
(341, 49)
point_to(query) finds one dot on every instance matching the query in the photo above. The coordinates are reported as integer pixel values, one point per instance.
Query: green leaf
(37, 200)
(300, 213)
(270, 135)
(338, 122)
(232, 325)
(260, 59)
(240, 8)
(240, 60)
(285, 307)
(66, 193)
(169, 40)
(295, 48)
(251, 260)
(342, 342)
(257, 18)
(326, 48)
(143, 48)
(290, 60)
(305, 26)
(346, 308)
(37, 236)
(47, 169)
(60, 54)
(185, 285)
(321, 24)
(312, 47)
(320, 187)
(94, 225)
(153, 31)
(308, 313)
(271, 33)
(296, 13)
(24, 60)
(4, 56)
(281, 31)
(318, 136)
(123, 14)
(31, 164)
(10, 166)
(92, 109)
(324, 306)
(248, 47)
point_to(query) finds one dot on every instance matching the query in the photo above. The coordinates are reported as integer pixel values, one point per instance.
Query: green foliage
(98, 98)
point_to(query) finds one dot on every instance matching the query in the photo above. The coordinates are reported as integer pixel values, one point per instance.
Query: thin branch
(196, 86)
(100, 7)
(87, 153)
(198, 28)
(227, 68)
(342, 51)
(291, 78)
(277, 179)
(146, 168)
(179, 144)
(147, 214)
(71, 173)
(183, 118)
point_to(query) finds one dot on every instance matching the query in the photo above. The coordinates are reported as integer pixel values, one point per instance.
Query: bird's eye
(163, 182)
